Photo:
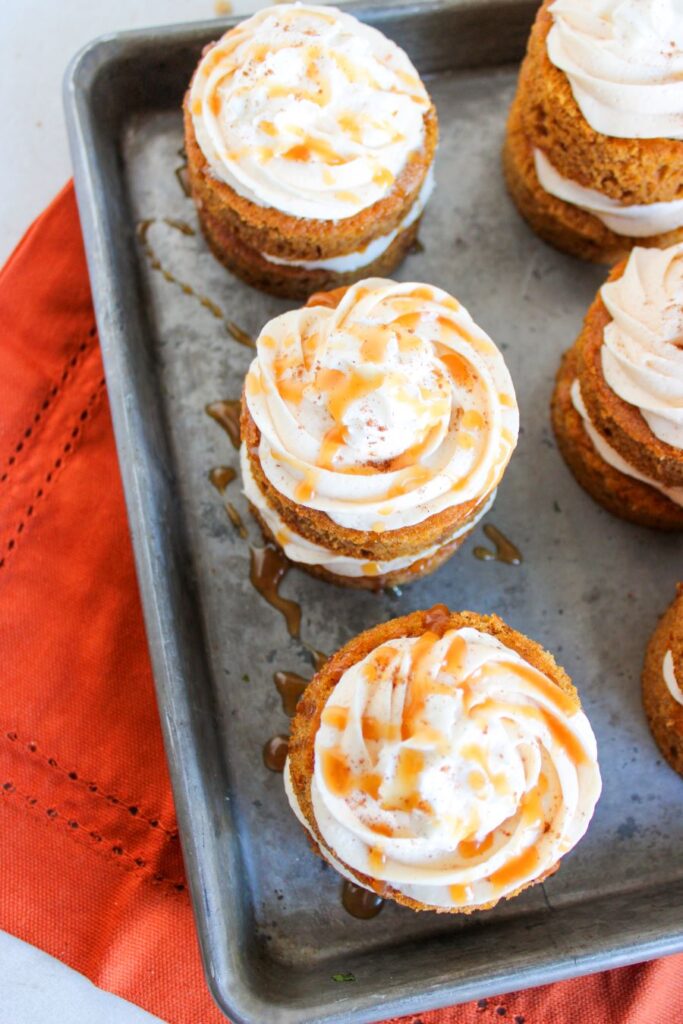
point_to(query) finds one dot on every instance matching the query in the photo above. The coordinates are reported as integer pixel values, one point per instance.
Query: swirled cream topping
(307, 110)
(451, 769)
(383, 411)
(624, 62)
(642, 351)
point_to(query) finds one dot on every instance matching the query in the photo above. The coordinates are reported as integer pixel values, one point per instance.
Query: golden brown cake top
(450, 766)
(384, 410)
(308, 111)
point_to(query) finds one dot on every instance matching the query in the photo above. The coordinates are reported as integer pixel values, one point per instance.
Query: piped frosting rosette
(624, 61)
(307, 110)
(642, 351)
(383, 411)
(451, 770)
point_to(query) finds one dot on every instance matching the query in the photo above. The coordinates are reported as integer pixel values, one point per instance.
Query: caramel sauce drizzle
(187, 289)
(319, 658)
(275, 753)
(359, 902)
(183, 178)
(221, 477)
(268, 568)
(226, 413)
(236, 520)
(505, 551)
(290, 686)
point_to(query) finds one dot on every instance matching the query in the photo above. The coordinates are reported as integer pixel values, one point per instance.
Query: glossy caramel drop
(221, 476)
(436, 618)
(236, 520)
(275, 753)
(267, 571)
(359, 902)
(226, 413)
(505, 551)
(290, 686)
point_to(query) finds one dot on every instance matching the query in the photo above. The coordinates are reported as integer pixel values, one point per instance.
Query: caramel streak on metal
(505, 550)
(236, 520)
(290, 686)
(186, 288)
(226, 413)
(268, 568)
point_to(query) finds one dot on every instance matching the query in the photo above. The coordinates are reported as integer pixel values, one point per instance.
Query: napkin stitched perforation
(65, 449)
(89, 786)
(84, 834)
(29, 433)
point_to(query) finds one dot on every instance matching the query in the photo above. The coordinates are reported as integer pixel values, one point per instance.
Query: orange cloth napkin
(89, 855)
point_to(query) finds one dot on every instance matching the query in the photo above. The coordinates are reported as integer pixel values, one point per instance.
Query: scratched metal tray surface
(274, 935)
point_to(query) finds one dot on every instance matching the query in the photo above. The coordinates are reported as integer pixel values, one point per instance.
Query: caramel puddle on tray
(290, 686)
(187, 289)
(221, 476)
(275, 753)
(359, 902)
(505, 551)
(267, 570)
(226, 413)
(416, 248)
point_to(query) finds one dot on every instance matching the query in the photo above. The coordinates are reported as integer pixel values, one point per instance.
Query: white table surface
(37, 39)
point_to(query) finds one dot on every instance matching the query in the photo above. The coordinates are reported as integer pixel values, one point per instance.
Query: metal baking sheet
(272, 929)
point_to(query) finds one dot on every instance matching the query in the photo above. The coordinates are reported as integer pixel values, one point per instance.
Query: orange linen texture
(90, 863)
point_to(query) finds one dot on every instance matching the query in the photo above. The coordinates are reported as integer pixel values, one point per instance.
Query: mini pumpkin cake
(594, 149)
(617, 409)
(663, 683)
(442, 760)
(310, 141)
(376, 424)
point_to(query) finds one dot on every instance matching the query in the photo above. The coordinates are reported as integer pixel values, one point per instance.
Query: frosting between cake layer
(384, 411)
(641, 220)
(307, 110)
(451, 769)
(624, 62)
(306, 552)
(642, 351)
(669, 675)
(612, 457)
(351, 262)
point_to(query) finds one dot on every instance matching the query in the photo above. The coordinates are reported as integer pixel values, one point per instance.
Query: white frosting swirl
(384, 411)
(307, 110)
(642, 351)
(612, 457)
(669, 673)
(306, 552)
(640, 220)
(624, 62)
(451, 769)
